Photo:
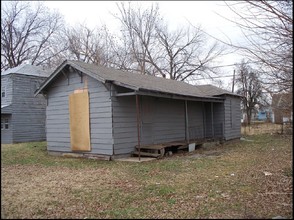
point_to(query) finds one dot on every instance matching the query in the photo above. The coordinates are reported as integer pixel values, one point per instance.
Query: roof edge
(58, 70)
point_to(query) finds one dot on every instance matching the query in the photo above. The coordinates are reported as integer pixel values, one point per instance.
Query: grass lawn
(242, 179)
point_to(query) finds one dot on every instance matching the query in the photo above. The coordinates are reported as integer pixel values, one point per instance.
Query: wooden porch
(159, 150)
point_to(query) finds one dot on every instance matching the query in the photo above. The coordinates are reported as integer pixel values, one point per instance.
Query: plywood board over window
(79, 121)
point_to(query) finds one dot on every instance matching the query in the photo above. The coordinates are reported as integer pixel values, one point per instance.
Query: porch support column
(186, 122)
(212, 129)
(138, 125)
(204, 120)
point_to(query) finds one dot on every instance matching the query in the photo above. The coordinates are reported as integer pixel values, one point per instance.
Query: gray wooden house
(23, 115)
(99, 111)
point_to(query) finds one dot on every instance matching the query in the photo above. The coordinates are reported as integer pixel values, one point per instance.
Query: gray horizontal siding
(6, 134)
(232, 118)
(124, 124)
(169, 120)
(195, 120)
(28, 112)
(58, 130)
(218, 119)
(162, 120)
(6, 85)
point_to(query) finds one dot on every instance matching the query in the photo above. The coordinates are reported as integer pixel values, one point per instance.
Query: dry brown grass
(263, 128)
(226, 181)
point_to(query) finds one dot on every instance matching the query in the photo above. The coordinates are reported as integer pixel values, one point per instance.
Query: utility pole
(233, 82)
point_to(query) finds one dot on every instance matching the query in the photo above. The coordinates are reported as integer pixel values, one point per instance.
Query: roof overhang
(6, 109)
(170, 96)
(60, 70)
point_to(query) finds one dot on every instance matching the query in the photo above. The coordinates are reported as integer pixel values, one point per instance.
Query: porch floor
(158, 150)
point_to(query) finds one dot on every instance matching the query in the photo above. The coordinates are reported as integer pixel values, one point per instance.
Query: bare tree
(184, 54)
(267, 27)
(95, 45)
(250, 89)
(138, 30)
(29, 34)
(154, 49)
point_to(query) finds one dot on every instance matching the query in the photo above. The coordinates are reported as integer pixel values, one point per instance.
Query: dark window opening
(4, 124)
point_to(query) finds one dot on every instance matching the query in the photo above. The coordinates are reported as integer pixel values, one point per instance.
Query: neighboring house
(254, 116)
(265, 114)
(99, 111)
(282, 106)
(23, 115)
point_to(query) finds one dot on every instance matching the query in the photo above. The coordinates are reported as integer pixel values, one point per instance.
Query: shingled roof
(138, 82)
(27, 69)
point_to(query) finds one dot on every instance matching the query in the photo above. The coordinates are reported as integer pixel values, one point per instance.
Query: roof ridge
(136, 81)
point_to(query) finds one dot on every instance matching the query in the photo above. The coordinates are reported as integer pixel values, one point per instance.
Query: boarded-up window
(79, 121)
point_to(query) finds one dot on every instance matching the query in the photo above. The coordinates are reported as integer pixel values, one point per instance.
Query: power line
(214, 77)
(236, 64)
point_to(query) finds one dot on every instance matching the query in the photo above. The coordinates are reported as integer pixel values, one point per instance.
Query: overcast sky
(176, 13)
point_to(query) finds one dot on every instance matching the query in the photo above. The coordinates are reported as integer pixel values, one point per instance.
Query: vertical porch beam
(204, 120)
(212, 129)
(186, 122)
(138, 125)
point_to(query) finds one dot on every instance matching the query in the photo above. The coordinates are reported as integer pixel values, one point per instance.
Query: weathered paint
(6, 134)
(57, 121)
(163, 120)
(232, 118)
(27, 120)
(113, 119)
(6, 85)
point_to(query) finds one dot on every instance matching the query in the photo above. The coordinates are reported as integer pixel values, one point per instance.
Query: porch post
(138, 125)
(186, 122)
(212, 129)
(204, 121)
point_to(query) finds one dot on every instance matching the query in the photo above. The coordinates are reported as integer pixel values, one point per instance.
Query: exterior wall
(124, 124)
(218, 119)
(232, 118)
(195, 120)
(57, 121)
(282, 106)
(6, 134)
(27, 119)
(162, 120)
(6, 85)
(213, 119)
(281, 116)
(28, 112)
(168, 120)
